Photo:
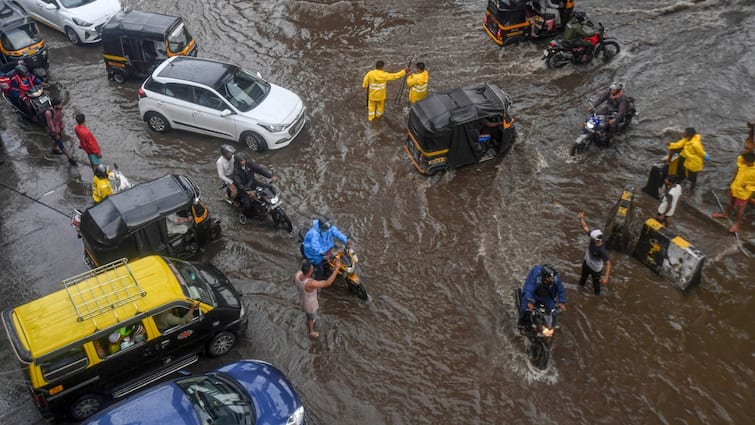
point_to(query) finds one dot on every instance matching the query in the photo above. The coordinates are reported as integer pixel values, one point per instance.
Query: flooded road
(440, 256)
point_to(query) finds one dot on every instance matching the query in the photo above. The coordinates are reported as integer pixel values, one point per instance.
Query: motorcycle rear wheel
(607, 51)
(539, 353)
(280, 219)
(557, 61)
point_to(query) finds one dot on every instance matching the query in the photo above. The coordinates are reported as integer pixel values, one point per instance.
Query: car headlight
(296, 418)
(80, 22)
(273, 128)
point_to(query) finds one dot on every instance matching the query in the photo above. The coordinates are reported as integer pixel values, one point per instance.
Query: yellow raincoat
(417, 84)
(744, 183)
(375, 81)
(101, 189)
(692, 152)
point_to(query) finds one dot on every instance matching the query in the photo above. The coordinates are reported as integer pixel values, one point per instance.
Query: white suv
(221, 100)
(80, 20)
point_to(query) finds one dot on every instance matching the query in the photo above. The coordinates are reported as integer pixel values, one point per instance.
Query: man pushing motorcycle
(542, 286)
(612, 103)
(318, 243)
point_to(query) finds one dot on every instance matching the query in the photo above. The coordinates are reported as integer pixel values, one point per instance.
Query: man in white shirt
(669, 200)
(225, 170)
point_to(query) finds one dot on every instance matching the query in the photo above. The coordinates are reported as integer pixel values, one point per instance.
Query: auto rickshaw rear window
(179, 39)
(63, 363)
(21, 37)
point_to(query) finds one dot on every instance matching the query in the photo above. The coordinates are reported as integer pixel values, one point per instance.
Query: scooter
(267, 204)
(40, 102)
(348, 268)
(539, 331)
(595, 129)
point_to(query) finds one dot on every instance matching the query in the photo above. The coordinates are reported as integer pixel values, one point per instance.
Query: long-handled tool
(739, 242)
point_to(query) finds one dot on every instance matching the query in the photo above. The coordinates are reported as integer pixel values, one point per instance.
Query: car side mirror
(225, 112)
(51, 6)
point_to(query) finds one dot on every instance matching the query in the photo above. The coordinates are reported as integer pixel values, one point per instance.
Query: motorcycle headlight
(273, 200)
(590, 125)
(80, 22)
(273, 128)
(547, 332)
(296, 418)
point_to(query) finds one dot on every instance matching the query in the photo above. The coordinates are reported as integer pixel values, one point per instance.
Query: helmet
(227, 150)
(100, 171)
(241, 156)
(324, 224)
(580, 16)
(616, 86)
(548, 272)
(21, 70)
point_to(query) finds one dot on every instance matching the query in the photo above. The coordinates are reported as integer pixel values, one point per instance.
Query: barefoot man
(308, 292)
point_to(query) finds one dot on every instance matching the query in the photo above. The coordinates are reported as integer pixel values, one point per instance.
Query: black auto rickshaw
(511, 21)
(163, 216)
(20, 40)
(464, 126)
(135, 42)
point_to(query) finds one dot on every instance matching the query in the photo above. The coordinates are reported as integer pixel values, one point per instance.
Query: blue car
(247, 392)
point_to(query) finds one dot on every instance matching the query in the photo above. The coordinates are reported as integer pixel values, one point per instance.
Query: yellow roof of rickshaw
(93, 301)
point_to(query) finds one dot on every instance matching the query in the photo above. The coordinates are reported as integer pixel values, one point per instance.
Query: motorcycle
(40, 102)
(267, 204)
(347, 270)
(558, 54)
(539, 331)
(595, 129)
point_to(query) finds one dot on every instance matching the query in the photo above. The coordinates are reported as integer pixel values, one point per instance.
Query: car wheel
(253, 141)
(221, 344)
(72, 36)
(86, 406)
(157, 122)
(119, 77)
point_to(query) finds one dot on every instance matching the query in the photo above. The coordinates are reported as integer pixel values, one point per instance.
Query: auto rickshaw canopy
(119, 215)
(136, 24)
(12, 18)
(451, 120)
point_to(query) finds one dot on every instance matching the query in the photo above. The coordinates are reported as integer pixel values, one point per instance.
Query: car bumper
(287, 136)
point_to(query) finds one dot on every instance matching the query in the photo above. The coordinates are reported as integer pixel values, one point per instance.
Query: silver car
(222, 100)
(80, 20)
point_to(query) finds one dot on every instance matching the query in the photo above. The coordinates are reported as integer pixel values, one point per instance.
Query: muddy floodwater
(440, 256)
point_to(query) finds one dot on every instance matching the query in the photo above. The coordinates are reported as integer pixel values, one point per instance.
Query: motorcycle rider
(577, 29)
(612, 102)
(318, 243)
(246, 183)
(542, 286)
(101, 187)
(21, 82)
(225, 166)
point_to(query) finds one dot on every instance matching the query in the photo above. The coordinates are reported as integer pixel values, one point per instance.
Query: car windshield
(70, 4)
(21, 37)
(216, 401)
(192, 284)
(179, 39)
(243, 90)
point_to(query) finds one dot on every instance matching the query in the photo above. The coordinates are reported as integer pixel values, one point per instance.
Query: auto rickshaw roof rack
(102, 290)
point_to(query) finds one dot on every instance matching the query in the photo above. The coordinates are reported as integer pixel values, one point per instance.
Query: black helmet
(580, 16)
(100, 171)
(21, 70)
(227, 149)
(616, 86)
(324, 224)
(548, 272)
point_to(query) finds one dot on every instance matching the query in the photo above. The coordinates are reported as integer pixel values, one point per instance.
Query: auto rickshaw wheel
(119, 77)
(72, 36)
(253, 141)
(157, 122)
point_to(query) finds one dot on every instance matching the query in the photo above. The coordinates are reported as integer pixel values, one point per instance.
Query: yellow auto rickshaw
(20, 41)
(511, 21)
(135, 42)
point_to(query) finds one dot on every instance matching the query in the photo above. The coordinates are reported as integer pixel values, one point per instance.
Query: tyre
(580, 145)
(607, 51)
(72, 36)
(280, 219)
(253, 141)
(119, 77)
(221, 343)
(157, 122)
(539, 353)
(557, 61)
(358, 289)
(86, 406)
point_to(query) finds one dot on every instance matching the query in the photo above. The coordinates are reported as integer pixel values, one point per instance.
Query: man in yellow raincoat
(417, 84)
(375, 82)
(101, 187)
(692, 156)
(740, 190)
